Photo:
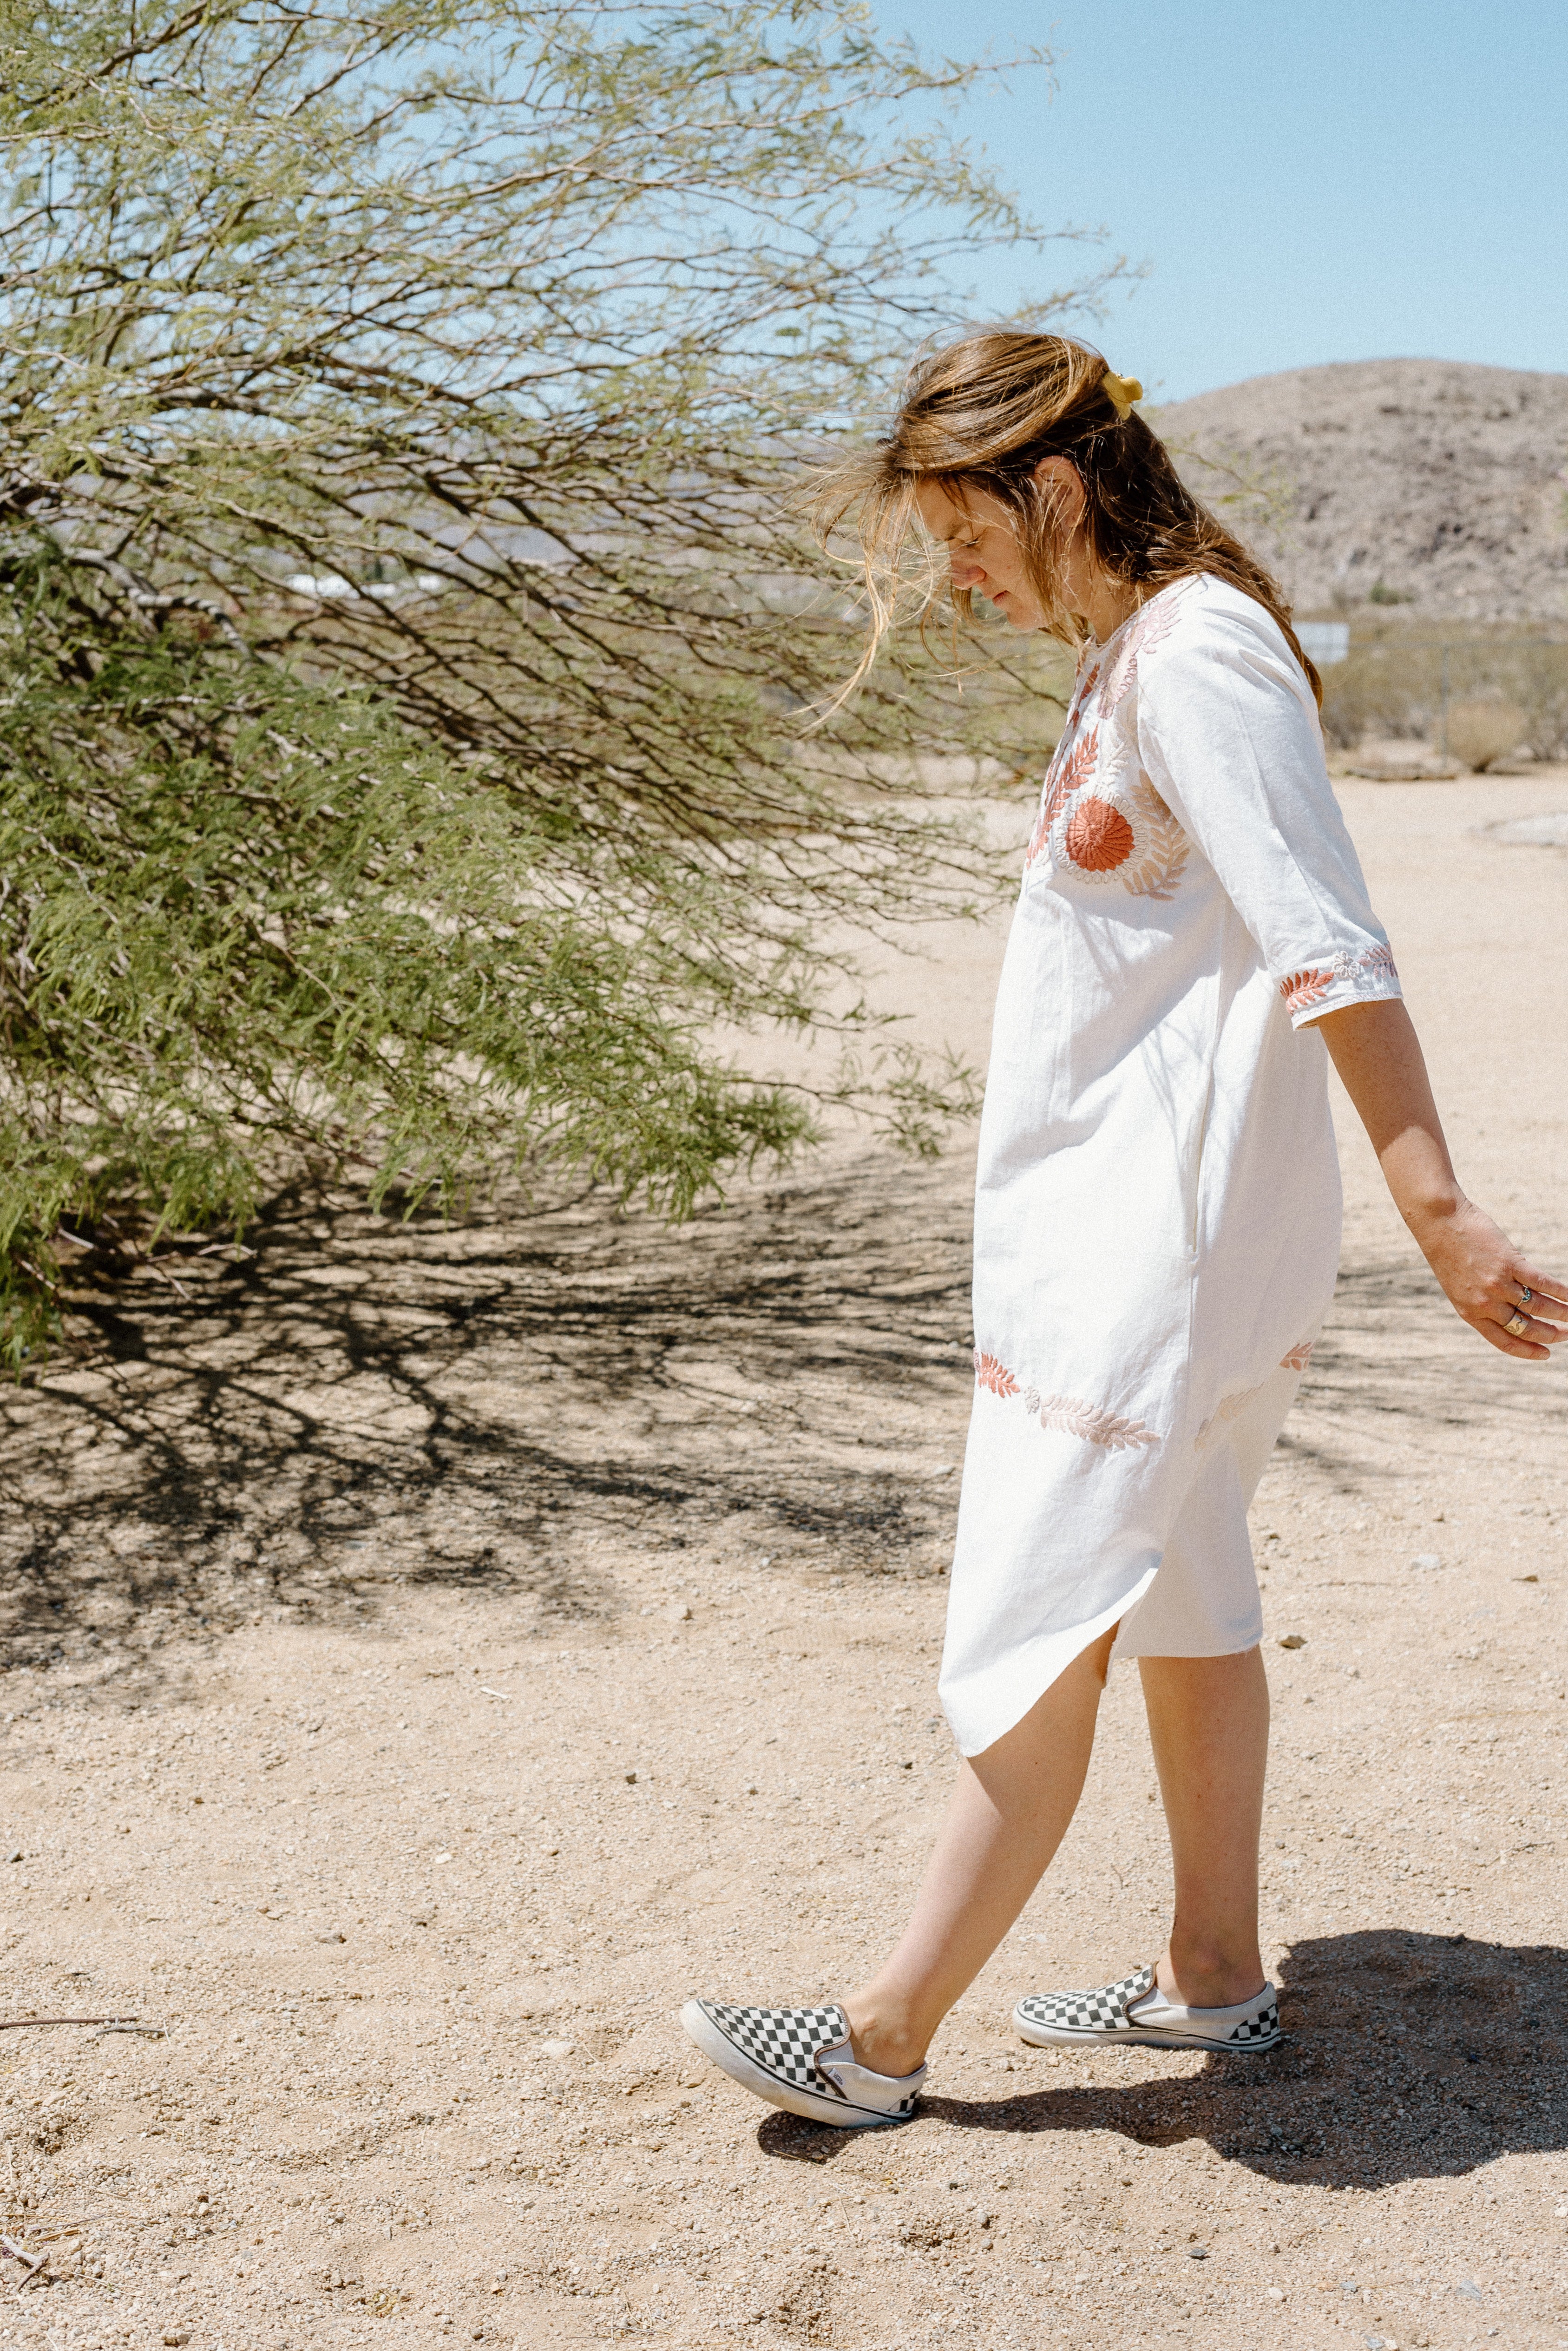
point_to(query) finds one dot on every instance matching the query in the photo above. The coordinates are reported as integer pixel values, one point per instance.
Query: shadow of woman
(1404, 2055)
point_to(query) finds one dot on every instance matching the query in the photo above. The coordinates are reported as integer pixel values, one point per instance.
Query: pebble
(1427, 1559)
(1292, 1640)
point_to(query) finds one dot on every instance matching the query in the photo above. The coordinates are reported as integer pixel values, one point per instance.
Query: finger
(1520, 1297)
(1549, 1290)
(1503, 1340)
(1545, 1334)
(1519, 1322)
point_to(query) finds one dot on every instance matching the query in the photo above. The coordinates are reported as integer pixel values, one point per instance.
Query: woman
(1157, 1217)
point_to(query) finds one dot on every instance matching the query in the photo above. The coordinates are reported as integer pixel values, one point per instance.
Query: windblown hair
(979, 416)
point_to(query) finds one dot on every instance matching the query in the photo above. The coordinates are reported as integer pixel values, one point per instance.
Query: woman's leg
(1009, 1813)
(1209, 1725)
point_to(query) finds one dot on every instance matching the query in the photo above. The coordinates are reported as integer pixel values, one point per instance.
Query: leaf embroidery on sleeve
(1298, 1356)
(1304, 988)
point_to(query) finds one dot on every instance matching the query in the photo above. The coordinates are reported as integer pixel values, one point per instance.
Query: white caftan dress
(1157, 1206)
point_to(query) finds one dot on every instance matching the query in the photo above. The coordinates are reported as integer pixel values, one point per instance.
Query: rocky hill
(1424, 483)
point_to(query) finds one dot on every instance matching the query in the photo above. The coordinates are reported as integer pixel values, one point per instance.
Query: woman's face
(982, 544)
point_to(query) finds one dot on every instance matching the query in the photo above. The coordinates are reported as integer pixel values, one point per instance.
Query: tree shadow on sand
(1406, 2055)
(366, 1401)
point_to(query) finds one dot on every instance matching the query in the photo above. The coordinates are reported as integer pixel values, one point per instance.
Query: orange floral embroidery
(1298, 1356)
(1098, 836)
(993, 1374)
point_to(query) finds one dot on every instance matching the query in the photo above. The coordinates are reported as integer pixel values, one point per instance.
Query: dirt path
(435, 1653)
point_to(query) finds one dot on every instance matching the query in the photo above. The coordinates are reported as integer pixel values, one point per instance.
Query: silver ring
(1525, 1293)
(1517, 1326)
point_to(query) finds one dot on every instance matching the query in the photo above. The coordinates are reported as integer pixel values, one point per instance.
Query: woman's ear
(1062, 485)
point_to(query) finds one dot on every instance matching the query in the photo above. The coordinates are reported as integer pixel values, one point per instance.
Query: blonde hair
(981, 415)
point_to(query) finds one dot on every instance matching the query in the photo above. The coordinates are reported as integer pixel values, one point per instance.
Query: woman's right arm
(1378, 1055)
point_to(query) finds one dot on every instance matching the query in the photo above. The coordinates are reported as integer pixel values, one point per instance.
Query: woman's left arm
(1377, 1053)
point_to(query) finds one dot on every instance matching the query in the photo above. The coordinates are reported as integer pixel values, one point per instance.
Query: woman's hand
(1489, 1284)
(1377, 1053)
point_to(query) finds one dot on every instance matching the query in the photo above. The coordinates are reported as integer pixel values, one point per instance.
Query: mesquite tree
(407, 631)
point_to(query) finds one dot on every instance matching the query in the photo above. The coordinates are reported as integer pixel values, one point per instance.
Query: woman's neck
(1106, 603)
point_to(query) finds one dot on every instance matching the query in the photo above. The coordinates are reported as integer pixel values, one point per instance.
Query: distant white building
(1324, 642)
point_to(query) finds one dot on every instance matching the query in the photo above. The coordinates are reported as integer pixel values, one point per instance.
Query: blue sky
(1338, 179)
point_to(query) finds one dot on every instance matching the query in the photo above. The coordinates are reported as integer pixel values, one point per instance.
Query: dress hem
(1056, 1651)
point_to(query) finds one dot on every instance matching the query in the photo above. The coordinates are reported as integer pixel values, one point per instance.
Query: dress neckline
(1100, 650)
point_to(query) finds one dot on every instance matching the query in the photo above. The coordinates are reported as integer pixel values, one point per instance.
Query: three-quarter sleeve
(1228, 737)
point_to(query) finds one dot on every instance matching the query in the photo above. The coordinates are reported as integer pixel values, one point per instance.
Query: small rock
(557, 2048)
(1427, 1558)
(1276, 2293)
(1197, 2253)
(1292, 1640)
(681, 1614)
(16, 1854)
(175, 2335)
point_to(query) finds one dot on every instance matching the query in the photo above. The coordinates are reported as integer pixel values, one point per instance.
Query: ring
(1525, 1293)
(1517, 1326)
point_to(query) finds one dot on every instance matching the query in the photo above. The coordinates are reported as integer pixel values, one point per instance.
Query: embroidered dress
(1157, 1205)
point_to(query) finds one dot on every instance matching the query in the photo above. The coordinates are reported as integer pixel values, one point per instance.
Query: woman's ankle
(1210, 1978)
(883, 2039)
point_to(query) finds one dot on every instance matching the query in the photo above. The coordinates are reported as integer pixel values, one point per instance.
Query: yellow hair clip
(1122, 390)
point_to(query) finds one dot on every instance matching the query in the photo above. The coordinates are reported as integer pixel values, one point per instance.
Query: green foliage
(248, 919)
(409, 631)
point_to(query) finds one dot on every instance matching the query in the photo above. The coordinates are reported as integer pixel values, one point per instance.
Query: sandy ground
(436, 1653)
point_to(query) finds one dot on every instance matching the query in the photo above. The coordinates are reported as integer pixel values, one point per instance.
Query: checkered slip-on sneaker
(1064, 2020)
(800, 2059)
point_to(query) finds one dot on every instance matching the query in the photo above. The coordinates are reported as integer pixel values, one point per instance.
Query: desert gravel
(434, 1654)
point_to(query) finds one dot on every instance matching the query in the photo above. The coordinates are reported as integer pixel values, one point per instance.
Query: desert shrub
(1381, 690)
(1541, 685)
(1481, 731)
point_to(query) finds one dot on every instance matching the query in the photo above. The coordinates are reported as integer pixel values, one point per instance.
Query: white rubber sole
(1069, 2036)
(700, 2028)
